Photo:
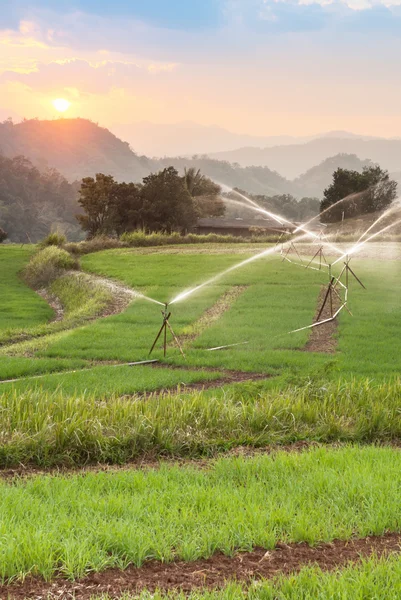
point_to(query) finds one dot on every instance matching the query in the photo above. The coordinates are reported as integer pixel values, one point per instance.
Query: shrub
(3, 235)
(53, 239)
(96, 244)
(46, 265)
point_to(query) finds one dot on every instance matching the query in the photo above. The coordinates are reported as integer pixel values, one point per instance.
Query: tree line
(32, 203)
(164, 201)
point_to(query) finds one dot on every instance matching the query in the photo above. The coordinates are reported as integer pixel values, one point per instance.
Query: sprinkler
(163, 330)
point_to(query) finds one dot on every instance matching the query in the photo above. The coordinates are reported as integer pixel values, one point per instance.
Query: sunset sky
(263, 67)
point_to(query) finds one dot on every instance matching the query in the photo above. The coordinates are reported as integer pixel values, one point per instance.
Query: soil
(54, 303)
(322, 337)
(229, 377)
(213, 572)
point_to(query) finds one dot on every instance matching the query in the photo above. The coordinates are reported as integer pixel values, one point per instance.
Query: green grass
(371, 580)
(280, 297)
(20, 307)
(93, 521)
(104, 381)
(12, 367)
(58, 429)
(260, 315)
(81, 300)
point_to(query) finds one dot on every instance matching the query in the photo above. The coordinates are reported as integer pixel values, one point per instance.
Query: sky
(259, 67)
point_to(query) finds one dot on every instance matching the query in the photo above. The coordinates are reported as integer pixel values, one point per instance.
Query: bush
(100, 242)
(3, 235)
(53, 239)
(140, 238)
(48, 264)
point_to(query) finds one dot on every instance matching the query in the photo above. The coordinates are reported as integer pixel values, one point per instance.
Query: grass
(81, 300)
(280, 297)
(89, 522)
(101, 382)
(161, 277)
(371, 580)
(46, 429)
(12, 367)
(20, 307)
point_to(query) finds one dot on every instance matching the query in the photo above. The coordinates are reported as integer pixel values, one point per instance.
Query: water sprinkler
(163, 330)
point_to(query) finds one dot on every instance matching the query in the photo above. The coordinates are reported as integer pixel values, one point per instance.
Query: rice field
(181, 461)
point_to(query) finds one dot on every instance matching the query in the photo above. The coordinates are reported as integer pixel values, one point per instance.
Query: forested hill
(76, 147)
(32, 203)
(79, 148)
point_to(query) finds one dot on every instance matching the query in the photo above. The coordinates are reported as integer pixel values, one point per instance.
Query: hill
(75, 147)
(294, 159)
(255, 180)
(79, 148)
(315, 180)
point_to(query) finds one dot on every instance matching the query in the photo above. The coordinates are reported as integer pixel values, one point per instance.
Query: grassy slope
(102, 519)
(42, 429)
(20, 307)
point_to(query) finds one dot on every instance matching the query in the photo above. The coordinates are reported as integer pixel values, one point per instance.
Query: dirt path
(213, 572)
(322, 337)
(213, 314)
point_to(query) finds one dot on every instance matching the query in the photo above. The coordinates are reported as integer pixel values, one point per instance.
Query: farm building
(240, 227)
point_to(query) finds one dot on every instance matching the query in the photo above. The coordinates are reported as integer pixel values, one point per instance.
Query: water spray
(163, 330)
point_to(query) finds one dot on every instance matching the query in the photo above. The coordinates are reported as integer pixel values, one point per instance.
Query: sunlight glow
(61, 105)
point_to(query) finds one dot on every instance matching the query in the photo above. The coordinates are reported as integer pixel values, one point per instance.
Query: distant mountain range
(188, 138)
(79, 148)
(294, 159)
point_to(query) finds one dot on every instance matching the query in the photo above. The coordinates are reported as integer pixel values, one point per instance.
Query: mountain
(294, 159)
(315, 180)
(188, 138)
(79, 148)
(255, 180)
(75, 147)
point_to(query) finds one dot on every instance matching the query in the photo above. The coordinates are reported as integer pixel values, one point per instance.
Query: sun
(61, 105)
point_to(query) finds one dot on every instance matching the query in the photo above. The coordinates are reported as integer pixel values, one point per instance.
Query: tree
(128, 207)
(205, 192)
(33, 203)
(167, 203)
(3, 235)
(353, 194)
(308, 208)
(98, 198)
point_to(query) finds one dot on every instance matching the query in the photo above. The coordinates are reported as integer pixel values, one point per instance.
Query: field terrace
(268, 469)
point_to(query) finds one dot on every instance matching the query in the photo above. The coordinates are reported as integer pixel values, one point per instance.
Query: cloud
(79, 77)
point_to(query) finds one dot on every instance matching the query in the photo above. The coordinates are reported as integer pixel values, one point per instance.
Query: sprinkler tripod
(163, 329)
(331, 291)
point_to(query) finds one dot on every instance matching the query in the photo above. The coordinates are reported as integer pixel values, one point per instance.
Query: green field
(20, 307)
(91, 522)
(74, 401)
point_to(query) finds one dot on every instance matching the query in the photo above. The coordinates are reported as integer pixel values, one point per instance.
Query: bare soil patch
(322, 337)
(54, 303)
(213, 572)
